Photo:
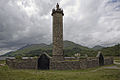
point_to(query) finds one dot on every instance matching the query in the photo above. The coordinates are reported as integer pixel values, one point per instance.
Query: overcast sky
(86, 22)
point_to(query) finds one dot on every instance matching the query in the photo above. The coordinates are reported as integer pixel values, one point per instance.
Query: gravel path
(108, 67)
(111, 67)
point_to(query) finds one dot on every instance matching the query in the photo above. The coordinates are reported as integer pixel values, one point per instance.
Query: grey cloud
(17, 27)
(96, 26)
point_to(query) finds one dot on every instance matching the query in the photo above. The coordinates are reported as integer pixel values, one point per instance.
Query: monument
(58, 61)
(57, 33)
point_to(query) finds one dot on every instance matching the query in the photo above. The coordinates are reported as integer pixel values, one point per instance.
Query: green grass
(117, 59)
(2, 61)
(102, 74)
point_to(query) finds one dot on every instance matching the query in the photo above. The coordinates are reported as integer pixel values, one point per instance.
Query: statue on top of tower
(57, 10)
(57, 6)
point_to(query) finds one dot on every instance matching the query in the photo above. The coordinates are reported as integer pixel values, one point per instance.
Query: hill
(98, 47)
(70, 48)
(27, 48)
(111, 51)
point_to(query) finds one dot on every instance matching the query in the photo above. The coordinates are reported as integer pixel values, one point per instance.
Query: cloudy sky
(86, 22)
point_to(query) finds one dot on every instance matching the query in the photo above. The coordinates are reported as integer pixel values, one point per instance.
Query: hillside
(111, 51)
(70, 48)
(28, 48)
(97, 47)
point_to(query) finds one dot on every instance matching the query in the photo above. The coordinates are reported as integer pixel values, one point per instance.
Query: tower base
(58, 58)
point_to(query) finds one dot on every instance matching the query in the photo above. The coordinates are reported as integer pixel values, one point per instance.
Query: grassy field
(2, 62)
(89, 74)
(117, 59)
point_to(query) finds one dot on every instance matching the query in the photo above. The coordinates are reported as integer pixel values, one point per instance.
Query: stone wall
(108, 60)
(92, 63)
(79, 64)
(83, 63)
(59, 65)
(65, 65)
(22, 64)
(74, 65)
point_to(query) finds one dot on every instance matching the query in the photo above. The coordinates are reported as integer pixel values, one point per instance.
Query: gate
(43, 62)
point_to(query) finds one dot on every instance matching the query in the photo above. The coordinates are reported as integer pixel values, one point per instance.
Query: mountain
(98, 47)
(3, 51)
(70, 48)
(111, 51)
(27, 48)
(70, 44)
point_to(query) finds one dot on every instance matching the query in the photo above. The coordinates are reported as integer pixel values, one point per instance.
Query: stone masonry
(57, 33)
(58, 65)
(22, 64)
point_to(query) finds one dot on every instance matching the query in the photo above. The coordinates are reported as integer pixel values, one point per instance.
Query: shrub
(18, 57)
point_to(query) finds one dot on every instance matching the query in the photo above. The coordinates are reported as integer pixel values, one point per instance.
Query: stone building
(58, 61)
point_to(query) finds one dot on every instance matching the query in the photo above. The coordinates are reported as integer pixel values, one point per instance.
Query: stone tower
(57, 33)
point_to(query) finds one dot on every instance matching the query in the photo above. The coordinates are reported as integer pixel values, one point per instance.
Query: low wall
(22, 64)
(92, 63)
(80, 64)
(108, 60)
(58, 65)
(65, 65)
(74, 65)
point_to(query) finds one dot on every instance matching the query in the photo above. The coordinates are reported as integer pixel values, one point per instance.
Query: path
(108, 67)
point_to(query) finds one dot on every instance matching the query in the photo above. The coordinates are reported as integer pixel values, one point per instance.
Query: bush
(35, 57)
(18, 57)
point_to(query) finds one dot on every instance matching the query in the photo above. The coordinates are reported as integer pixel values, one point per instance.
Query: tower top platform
(57, 10)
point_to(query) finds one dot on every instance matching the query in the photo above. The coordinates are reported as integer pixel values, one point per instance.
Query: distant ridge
(98, 47)
(70, 48)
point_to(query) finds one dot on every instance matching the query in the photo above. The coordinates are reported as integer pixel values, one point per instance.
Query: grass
(102, 74)
(2, 61)
(117, 59)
